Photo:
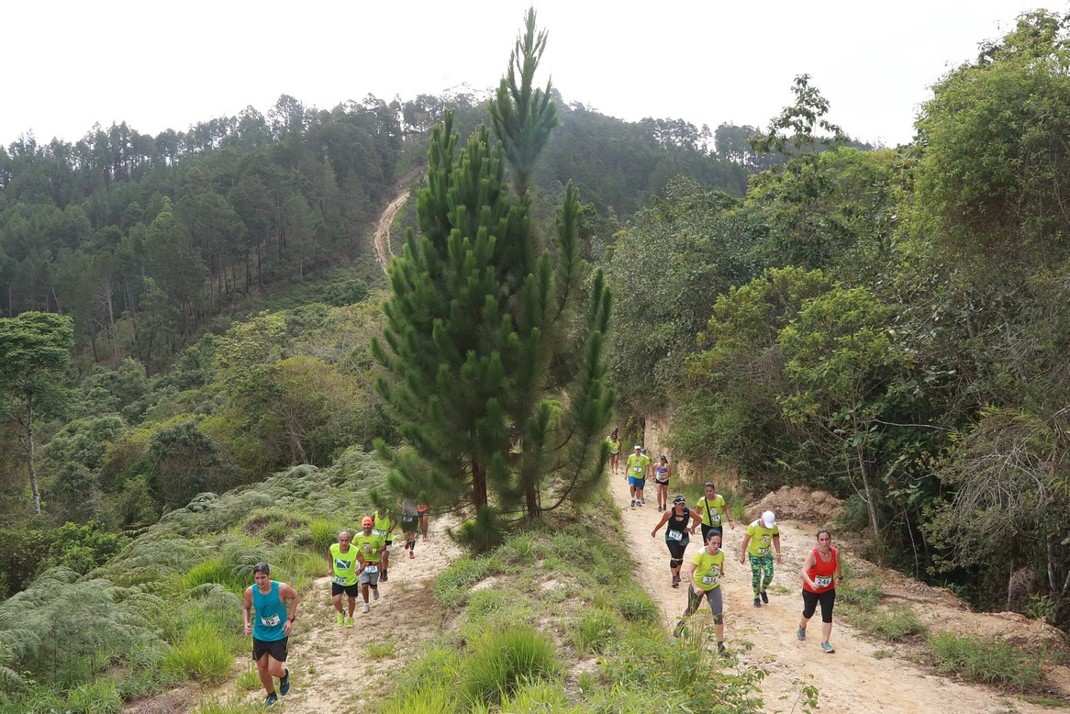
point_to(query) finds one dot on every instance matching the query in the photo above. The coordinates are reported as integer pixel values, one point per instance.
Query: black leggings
(810, 601)
(676, 552)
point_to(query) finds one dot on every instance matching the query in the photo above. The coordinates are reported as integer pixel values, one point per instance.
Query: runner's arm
(776, 544)
(807, 564)
(697, 518)
(247, 605)
(664, 519)
(743, 549)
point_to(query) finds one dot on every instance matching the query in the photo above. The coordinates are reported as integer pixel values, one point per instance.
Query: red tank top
(822, 573)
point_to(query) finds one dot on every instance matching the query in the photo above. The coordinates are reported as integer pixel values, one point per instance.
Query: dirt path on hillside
(381, 238)
(851, 680)
(326, 661)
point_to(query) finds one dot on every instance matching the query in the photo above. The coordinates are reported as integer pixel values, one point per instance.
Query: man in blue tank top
(270, 628)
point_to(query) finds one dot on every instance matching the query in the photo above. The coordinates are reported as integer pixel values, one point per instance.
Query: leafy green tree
(493, 347)
(34, 352)
(184, 462)
(841, 362)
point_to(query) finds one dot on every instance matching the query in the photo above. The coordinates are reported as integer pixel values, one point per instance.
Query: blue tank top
(661, 471)
(270, 614)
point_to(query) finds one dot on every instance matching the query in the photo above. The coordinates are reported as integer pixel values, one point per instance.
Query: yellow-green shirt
(761, 538)
(708, 569)
(637, 465)
(382, 525)
(614, 446)
(344, 564)
(711, 509)
(369, 546)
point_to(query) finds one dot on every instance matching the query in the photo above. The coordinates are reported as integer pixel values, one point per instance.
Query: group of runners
(822, 568)
(356, 565)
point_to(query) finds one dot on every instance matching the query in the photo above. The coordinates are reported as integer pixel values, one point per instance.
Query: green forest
(200, 354)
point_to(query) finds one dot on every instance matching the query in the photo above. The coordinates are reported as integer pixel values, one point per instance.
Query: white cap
(638, 447)
(769, 519)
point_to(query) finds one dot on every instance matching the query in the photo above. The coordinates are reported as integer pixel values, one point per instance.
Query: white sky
(159, 65)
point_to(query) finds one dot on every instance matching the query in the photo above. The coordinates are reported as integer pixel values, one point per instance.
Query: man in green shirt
(638, 465)
(342, 564)
(370, 548)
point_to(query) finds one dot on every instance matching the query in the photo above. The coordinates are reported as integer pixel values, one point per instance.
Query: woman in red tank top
(820, 574)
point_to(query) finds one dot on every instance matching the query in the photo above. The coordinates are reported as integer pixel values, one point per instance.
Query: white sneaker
(375, 594)
(367, 608)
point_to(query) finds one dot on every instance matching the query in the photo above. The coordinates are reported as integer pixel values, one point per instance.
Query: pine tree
(493, 348)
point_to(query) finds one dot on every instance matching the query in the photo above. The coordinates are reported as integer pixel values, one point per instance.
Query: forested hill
(143, 239)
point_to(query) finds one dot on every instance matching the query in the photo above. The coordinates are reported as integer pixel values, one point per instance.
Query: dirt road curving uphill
(851, 680)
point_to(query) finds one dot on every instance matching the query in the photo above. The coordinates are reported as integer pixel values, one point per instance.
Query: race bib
(710, 579)
(674, 535)
(378, 532)
(763, 551)
(715, 518)
(370, 568)
(338, 580)
(823, 581)
(272, 621)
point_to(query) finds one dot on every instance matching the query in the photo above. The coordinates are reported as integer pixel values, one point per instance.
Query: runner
(342, 564)
(384, 525)
(756, 546)
(410, 520)
(638, 464)
(614, 451)
(662, 472)
(676, 534)
(820, 574)
(271, 628)
(423, 510)
(713, 508)
(370, 548)
(704, 575)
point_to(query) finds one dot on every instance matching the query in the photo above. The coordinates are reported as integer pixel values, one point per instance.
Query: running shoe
(720, 648)
(827, 648)
(271, 700)
(765, 598)
(384, 578)
(639, 503)
(642, 501)
(800, 633)
(757, 602)
(341, 619)
(411, 554)
(679, 629)
(633, 503)
(375, 593)
(676, 581)
(284, 683)
(367, 608)
(349, 622)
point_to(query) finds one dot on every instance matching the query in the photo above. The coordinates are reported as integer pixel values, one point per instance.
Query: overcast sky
(162, 65)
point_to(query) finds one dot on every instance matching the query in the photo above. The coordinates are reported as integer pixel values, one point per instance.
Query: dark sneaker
(757, 602)
(720, 648)
(633, 503)
(765, 598)
(383, 577)
(800, 633)
(676, 581)
(284, 683)
(271, 700)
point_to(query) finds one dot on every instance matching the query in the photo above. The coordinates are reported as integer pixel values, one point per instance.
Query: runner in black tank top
(676, 534)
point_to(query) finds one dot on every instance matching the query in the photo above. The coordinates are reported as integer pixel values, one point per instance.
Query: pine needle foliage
(493, 342)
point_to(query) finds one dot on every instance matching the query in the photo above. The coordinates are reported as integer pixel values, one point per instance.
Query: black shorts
(275, 648)
(409, 524)
(350, 590)
(706, 532)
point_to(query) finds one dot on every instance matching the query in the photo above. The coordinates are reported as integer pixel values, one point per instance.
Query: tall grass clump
(501, 661)
(100, 697)
(595, 629)
(324, 533)
(429, 685)
(453, 584)
(221, 571)
(204, 654)
(894, 624)
(988, 660)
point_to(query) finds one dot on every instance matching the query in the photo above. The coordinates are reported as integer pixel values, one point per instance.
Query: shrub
(452, 586)
(500, 661)
(988, 660)
(324, 534)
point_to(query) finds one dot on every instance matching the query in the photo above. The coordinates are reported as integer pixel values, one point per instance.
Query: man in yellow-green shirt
(763, 535)
(638, 465)
(370, 548)
(342, 563)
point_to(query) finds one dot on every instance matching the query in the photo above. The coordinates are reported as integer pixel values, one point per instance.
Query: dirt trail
(851, 680)
(381, 237)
